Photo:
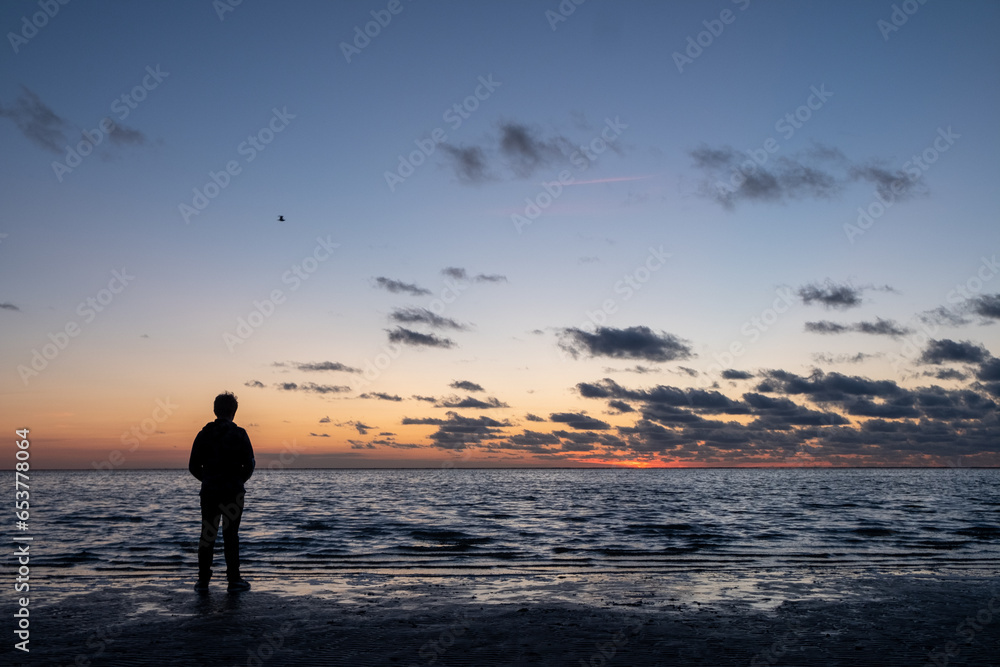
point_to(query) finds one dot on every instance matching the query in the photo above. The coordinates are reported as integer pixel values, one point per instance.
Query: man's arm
(250, 463)
(196, 462)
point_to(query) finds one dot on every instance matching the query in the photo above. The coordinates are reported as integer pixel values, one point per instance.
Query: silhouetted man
(222, 458)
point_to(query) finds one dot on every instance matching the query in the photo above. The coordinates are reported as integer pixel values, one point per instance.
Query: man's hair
(225, 405)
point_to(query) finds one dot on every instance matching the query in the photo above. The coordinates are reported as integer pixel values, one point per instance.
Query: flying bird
(281, 218)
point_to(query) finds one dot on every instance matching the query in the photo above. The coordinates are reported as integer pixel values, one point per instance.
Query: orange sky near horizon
(145, 434)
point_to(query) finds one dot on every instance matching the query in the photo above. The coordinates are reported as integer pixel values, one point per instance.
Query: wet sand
(812, 617)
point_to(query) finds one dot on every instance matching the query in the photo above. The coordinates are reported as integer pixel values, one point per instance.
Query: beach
(810, 616)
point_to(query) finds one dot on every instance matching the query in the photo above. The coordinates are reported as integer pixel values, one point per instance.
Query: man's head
(225, 405)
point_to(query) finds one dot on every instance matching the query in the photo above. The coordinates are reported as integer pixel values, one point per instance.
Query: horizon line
(624, 467)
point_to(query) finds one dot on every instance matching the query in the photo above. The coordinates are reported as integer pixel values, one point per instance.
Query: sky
(415, 234)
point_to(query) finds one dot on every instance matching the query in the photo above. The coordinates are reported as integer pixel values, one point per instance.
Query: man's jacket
(222, 458)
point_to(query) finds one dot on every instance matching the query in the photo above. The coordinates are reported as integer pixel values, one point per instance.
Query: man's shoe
(201, 586)
(239, 586)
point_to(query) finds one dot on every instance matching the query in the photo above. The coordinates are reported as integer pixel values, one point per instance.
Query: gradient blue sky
(162, 336)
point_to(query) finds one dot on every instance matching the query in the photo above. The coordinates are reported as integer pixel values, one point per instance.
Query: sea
(516, 521)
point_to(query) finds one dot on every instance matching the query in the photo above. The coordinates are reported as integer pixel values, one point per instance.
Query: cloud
(423, 316)
(46, 129)
(458, 273)
(987, 305)
(357, 444)
(827, 387)
(320, 435)
(527, 152)
(469, 163)
(810, 424)
(943, 316)
(518, 150)
(870, 398)
(319, 366)
(731, 374)
(382, 396)
(856, 358)
(946, 374)
(579, 421)
(312, 387)
(37, 122)
(782, 413)
(458, 432)
(255, 384)
(638, 368)
(731, 177)
(577, 442)
(125, 136)
(822, 418)
(489, 278)
(470, 402)
(9, 306)
(879, 327)
(890, 185)
(427, 399)
(417, 339)
(989, 370)
(637, 342)
(826, 153)
(466, 385)
(826, 327)
(394, 444)
(324, 420)
(831, 295)
(399, 287)
(937, 403)
(947, 350)
(714, 158)
(362, 428)
(990, 374)
(820, 172)
(532, 441)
